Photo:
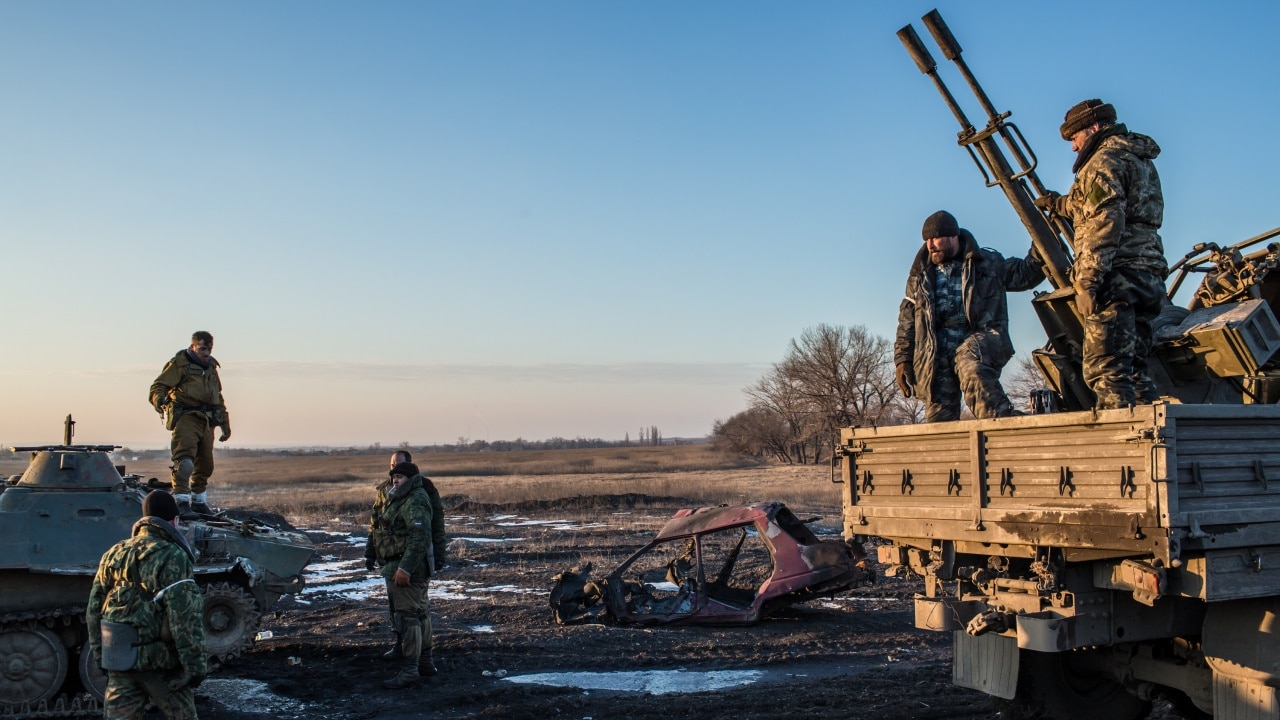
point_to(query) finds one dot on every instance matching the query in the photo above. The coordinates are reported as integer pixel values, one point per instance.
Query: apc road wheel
(33, 665)
(92, 676)
(1071, 686)
(231, 618)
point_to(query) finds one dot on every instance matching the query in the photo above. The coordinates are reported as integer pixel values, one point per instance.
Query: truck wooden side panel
(1155, 480)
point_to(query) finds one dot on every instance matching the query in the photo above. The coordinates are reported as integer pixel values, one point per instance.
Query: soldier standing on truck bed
(953, 324)
(188, 394)
(1116, 207)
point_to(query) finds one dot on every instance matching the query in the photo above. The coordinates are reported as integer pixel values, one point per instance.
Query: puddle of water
(652, 682)
(250, 696)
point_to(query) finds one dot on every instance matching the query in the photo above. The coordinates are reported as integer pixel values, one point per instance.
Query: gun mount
(1219, 350)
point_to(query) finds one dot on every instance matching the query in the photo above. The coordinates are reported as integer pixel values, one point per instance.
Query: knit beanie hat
(1085, 114)
(940, 224)
(406, 469)
(159, 503)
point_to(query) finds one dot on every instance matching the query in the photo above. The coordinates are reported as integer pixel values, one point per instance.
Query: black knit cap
(1085, 114)
(406, 469)
(940, 224)
(161, 504)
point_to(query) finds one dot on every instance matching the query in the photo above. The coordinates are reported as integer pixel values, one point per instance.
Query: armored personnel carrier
(56, 521)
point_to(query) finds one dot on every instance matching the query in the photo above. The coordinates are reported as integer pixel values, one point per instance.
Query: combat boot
(198, 504)
(394, 652)
(427, 664)
(407, 677)
(184, 507)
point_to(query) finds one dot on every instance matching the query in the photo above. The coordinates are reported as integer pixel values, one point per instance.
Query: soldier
(1116, 207)
(188, 394)
(400, 542)
(953, 324)
(439, 540)
(146, 618)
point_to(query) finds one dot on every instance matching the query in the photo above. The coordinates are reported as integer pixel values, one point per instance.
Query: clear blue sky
(414, 221)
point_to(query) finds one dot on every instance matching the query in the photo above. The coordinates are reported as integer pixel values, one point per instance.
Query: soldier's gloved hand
(1084, 302)
(226, 429)
(370, 564)
(441, 562)
(1048, 201)
(906, 378)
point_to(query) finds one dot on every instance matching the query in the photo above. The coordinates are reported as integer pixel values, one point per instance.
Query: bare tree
(1025, 379)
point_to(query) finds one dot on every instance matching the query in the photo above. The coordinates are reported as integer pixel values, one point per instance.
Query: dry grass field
(310, 490)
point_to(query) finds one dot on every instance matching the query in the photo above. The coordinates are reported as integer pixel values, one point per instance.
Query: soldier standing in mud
(953, 323)
(439, 539)
(188, 394)
(1116, 207)
(400, 542)
(146, 618)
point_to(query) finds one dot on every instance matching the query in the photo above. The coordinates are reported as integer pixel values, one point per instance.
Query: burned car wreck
(715, 566)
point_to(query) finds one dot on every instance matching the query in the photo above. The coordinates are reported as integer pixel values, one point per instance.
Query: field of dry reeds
(318, 488)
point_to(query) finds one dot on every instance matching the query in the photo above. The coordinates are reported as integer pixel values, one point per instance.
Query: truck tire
(1071, 686)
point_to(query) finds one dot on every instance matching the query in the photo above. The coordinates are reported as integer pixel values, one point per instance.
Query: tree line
(831, 377)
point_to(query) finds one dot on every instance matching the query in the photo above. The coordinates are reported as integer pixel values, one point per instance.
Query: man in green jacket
(439, 539)
(400, 542)
(1116, 207)
(146, 618)
(188, 393)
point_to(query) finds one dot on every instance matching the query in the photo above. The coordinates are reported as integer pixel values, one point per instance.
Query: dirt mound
(625, 501)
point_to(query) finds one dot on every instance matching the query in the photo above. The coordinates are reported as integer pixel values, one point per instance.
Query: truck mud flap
(987, 663)
(1242, 646)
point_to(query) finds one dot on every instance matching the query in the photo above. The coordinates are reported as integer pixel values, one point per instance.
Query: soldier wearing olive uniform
(188, 393)
(400, 542)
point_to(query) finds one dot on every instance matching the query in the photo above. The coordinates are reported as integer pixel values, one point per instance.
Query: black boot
(426, 664)
(394, 652)
(407, 677)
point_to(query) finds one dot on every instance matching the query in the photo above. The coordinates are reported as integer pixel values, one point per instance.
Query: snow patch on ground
(652, 682)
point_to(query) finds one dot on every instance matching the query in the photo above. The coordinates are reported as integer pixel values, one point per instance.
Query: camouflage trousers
(192, 440)
(972, 371)
(1117, 339)
(129, 692)
(410, 616)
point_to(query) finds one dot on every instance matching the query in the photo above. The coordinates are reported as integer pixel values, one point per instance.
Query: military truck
(1088, 562)
(56, 520)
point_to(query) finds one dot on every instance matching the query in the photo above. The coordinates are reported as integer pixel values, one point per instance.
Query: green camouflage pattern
(128, 694)
(1117, 339)
(400, 530)
(1117, 207)
(152, 560)
(971, 367)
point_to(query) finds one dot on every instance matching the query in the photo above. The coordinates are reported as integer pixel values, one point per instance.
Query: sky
(425, 221)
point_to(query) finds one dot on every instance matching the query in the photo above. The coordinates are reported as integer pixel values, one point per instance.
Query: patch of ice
(501, 517)
(489, 540)
(482, 629)
(528, 523)
(652, 682)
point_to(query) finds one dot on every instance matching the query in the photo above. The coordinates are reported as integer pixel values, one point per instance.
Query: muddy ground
(854, 656)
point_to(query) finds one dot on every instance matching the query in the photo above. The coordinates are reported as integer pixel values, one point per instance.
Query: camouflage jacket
(1116, 207)
(400, 530)
(985, 277)
(130, 576)
(190, 386)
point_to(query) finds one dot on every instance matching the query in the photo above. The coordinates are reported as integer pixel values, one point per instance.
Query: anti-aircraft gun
(1217, 351)
(56, 520)
(1087, 562)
